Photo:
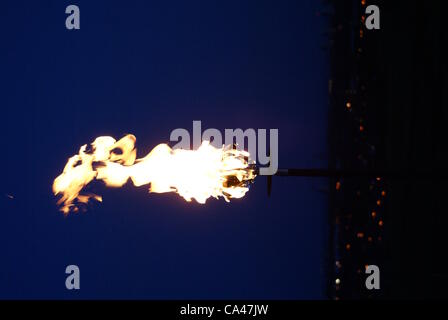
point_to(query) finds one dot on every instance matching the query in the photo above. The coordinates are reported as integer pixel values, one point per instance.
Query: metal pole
(372, 174)
(338, 173)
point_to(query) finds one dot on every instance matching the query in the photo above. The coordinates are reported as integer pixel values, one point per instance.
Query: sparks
(193, 174)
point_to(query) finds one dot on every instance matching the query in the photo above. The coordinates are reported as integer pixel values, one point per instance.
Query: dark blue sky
(148, 67)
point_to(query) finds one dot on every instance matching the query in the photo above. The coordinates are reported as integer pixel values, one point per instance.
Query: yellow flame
(193, 174)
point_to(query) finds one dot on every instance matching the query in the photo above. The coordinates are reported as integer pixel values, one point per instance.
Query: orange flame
(193, 174)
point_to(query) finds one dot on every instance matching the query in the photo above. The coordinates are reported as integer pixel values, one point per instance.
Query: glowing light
(337, 281)
(193, 174)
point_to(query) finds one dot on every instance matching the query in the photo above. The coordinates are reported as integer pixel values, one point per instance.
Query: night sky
(146, 68)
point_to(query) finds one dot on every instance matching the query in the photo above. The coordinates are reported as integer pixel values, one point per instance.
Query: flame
(193, 174)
